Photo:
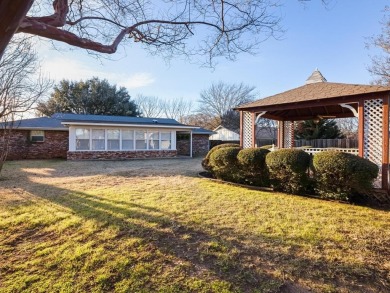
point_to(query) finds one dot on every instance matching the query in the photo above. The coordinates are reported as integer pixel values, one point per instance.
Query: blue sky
(331, 39)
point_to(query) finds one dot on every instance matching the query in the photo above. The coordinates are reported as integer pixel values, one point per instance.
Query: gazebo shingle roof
(316, 91)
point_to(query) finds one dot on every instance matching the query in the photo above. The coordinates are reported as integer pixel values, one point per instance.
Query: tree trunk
(12, 12)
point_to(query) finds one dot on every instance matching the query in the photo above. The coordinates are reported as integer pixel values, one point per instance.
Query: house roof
(44, 123)
(202, 131)
(59, 121)
(237, 131)
(66, 117)
(314, 99)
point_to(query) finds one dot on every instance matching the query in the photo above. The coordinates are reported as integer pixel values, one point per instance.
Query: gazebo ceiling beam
(326, 110)
(311, 117)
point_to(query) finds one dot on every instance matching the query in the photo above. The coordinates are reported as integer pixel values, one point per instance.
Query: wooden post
(385, 143)
(361, 128)
(292, 126)
(253, 130)
(281, 134)
(241, 129)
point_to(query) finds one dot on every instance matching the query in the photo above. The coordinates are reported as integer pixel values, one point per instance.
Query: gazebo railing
(312, 151)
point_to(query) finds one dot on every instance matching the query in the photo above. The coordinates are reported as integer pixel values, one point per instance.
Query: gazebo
(319, 99)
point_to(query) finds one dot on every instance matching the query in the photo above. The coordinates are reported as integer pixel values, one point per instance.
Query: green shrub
(205, 161)
(341, 175)
(252, 165)
(288, 170)
(224, 165)
(266, 147)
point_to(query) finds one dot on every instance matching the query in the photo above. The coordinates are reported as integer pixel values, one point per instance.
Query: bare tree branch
(20, 88)
(380, 67)
(203, 28)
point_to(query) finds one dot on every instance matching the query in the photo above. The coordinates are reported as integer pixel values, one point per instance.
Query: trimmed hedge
(206, 160)
(341, 175)
(253, 167)
(288, 170)
(224, 164)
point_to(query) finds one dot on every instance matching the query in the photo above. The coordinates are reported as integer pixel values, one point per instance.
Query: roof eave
(173, 126)
(41, 128)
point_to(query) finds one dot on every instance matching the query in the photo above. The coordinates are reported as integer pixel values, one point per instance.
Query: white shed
(224, 134)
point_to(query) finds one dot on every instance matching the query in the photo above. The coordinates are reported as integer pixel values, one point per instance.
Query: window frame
(157, 134)
(39, 140)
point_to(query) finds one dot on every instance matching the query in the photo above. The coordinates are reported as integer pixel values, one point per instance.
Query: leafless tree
(20, 87)
(190, 27)
(150, 106)
(202, 120)
(220, 98)
(380, 67)
(176, 109)
(349, 127)
(265, 128)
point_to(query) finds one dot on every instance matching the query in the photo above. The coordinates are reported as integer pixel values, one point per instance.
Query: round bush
(224, 165)
(288, 170)
(205, 161)
(341, 175)
(253, 167)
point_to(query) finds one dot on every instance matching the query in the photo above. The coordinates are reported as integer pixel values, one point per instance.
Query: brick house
(78, 137)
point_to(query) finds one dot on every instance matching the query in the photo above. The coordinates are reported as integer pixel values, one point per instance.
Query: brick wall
(120, 155)
(55, 145)
(200, 145)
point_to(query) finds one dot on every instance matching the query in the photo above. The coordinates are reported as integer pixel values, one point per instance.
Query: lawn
(154, 226)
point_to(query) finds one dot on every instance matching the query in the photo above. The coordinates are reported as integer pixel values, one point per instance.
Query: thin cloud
(138, 80)
(66, 68)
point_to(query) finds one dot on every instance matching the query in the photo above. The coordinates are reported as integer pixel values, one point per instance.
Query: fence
(327, 143)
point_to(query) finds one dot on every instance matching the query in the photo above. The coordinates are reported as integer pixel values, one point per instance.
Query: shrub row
(342, 175)
(334, 174)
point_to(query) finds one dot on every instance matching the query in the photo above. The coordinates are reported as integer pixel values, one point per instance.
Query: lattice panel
(288, 134)
(373, 123)
(247, 129)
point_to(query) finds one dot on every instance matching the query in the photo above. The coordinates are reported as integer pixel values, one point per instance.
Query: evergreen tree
(93, 96)
(323, 129)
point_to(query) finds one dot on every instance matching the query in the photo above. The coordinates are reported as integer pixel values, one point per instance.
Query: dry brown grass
(154, 226)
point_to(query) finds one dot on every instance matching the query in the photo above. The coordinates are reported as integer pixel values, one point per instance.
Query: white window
(166, 140)
(127, 139)
(98, 140)
(37, 135)
(141, 140)
(154, 143)
(82, 139)
(113, 136)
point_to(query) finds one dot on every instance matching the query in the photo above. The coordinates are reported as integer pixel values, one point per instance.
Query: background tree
(176, 109)
(20, 88)
(231, 120)
(220, 98)
(93, 96)
(202, 120)
(323, 129)
(380, 67)
(349, 127)
(217, 28)
(149, 106)
(266, 127)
